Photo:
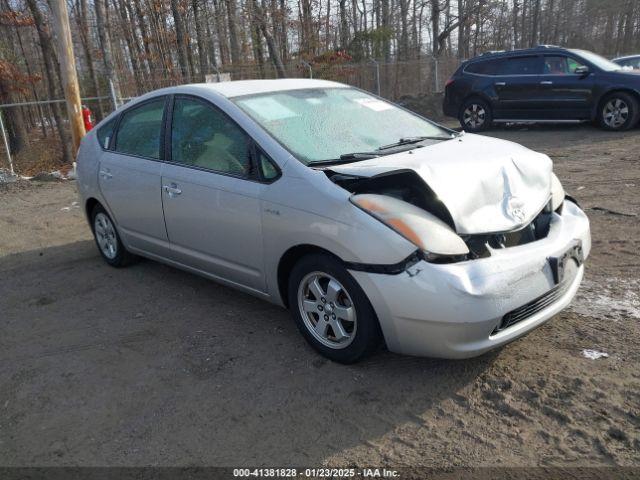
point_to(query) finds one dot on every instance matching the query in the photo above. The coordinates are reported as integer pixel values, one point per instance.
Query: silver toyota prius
(369, 222)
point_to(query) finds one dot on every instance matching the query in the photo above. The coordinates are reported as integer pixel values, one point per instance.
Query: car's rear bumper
(453, 310)
(449, 110)
(449, 107)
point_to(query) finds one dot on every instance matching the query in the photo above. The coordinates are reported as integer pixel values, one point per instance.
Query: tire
(475, 115)
(325, 321)
(618, 111)
(107, 239)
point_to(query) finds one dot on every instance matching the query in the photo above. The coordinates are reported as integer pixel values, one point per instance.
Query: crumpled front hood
(488, 185)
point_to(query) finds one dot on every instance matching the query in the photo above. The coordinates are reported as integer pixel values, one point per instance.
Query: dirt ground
(153, 366)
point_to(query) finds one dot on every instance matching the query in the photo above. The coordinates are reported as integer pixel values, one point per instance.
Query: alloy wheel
(474, 116)
(106, 235)
(615, 113)
(327, 310)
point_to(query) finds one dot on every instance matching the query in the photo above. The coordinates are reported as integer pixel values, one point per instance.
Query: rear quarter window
(105, 133)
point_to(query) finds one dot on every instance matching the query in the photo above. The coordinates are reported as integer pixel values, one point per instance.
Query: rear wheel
(475, 115)
(331, 310)
(107, 239)
(618, 111)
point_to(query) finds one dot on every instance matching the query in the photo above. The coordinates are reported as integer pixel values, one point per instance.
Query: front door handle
(500, 84)
(106, 174)
(546, 82)
(172, 190)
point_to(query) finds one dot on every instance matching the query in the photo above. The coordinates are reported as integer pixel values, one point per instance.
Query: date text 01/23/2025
(314, 473)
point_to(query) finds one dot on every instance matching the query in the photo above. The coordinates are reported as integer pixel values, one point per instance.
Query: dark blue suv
(542, 84)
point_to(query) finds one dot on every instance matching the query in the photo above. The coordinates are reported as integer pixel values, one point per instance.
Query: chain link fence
(392, 80)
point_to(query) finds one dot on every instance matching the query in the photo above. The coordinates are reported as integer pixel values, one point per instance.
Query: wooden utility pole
(68, 71)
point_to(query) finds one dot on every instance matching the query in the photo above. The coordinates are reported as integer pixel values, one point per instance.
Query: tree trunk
(534, 24)
(86, 46)
(236, 56)
(200, 41)
(386, 25)
(274, 54)
(180, 39)
(105, 46)
(344, 25)
(132, 45)
(48, 55)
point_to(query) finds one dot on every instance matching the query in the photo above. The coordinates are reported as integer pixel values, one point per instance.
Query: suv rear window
(530, 65)
(487, 67)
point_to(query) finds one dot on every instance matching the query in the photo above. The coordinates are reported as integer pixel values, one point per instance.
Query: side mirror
(582, 70)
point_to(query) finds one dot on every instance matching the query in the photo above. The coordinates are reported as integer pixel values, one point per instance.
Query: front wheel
(331, 310)
(475, 115)
(618, 111)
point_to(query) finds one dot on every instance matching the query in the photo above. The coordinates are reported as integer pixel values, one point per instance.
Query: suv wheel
(618, 111)
(475, 115)
(331, 310)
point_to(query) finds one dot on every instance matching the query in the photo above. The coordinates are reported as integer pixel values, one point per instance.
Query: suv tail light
(449, 82)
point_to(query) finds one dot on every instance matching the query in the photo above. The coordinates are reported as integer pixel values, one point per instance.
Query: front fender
(323, 217)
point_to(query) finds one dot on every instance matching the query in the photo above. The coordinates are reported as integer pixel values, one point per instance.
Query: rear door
(129, 176)
(517, 87)
(211, 200)
(565, 95)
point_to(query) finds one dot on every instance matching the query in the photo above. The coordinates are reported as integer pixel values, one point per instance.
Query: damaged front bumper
(461, 310)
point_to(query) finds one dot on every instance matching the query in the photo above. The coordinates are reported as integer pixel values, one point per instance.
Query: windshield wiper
(358, 156)
(347, 158)
(411, 140)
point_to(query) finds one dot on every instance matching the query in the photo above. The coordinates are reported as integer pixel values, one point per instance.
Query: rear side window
(140, 129)
(105, 132)
(487, 67)
(530, 65)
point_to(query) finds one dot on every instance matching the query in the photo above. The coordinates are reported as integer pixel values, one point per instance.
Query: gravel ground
(153, 366)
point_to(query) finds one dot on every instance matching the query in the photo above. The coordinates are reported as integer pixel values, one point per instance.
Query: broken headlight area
(480, 246)
(405, 185)
(431, 235)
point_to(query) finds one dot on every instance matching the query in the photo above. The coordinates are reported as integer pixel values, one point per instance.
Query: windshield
(323, 124)
(600, 62)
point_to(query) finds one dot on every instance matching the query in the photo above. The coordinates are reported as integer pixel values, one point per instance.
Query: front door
(129, 177)
(565, 95)
(211, 204)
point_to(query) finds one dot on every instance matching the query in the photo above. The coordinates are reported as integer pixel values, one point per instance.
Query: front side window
(600, 62)
(140, 130)
(321, 124)
(530, 65)
(560, 65)
(202, 136)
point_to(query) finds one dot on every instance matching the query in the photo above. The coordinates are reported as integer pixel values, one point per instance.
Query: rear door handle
(106, 174)
(546, 82)
(500, 84)
(172, 190)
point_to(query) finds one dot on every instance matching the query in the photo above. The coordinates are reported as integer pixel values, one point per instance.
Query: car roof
(236, 88)
(627, 57)
(523, 51)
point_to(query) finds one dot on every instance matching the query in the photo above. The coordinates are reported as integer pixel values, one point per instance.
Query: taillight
(449, 82)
